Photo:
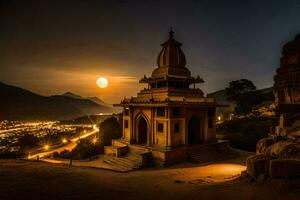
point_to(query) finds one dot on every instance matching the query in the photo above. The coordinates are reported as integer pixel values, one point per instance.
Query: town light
(219, 118)
(64, 140)
(94, 141)
(46, 147)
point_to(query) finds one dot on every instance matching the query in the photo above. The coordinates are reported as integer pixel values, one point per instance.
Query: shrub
(109, 129)
(84, 150)
(245, 133)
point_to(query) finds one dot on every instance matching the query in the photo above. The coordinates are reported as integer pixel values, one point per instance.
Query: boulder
(284, 168)
(275, 149)
(257, 164)
(290, 151)
(263, 144)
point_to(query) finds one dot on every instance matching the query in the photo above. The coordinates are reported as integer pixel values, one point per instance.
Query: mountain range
(20, 104)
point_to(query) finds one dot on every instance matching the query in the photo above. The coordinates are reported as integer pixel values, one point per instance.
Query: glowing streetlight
(46, 147)
(64, 140)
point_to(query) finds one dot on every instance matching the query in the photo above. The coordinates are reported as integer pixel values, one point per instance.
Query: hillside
(20, 104)
(93, 99)
(221, 98)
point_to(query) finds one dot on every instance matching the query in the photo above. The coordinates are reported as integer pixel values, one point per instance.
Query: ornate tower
(171, 78)
(171, 114)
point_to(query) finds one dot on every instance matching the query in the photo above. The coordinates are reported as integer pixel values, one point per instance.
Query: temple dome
(171, 60)
(171, 55)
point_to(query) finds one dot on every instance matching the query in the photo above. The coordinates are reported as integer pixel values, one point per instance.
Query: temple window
(179, 85)
(176, 112)
(159, 84)
(126, 123)
(160, 127)
(186, 85)
(211, 117)
(210, 123)
(177, 128)
(160, 112)
(126, 111)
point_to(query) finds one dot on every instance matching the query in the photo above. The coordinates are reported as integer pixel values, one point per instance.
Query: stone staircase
(123, 164)
(123, 157)
(209, 153)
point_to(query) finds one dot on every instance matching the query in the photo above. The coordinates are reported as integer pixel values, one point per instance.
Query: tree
(243, 92)
(27, 142)
(238, 88)
(109, 129)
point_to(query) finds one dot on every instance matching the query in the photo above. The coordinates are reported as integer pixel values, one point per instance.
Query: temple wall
(202, 114)
(126, 132)
(168, 137)
(177, 139)
(161, 138)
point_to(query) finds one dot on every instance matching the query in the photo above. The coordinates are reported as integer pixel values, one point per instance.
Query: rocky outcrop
(278, 155)
(257, 164)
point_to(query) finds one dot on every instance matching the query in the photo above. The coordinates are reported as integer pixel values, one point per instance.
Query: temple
(171, 114)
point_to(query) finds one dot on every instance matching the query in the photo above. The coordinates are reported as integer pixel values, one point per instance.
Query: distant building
(171, 114)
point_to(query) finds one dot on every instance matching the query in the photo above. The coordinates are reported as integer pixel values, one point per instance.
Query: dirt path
(38, 180)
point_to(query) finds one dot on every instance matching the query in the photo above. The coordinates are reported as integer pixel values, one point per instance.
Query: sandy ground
(38, 180)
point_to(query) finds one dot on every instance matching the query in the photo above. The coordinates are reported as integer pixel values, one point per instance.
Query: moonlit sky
(51, 47)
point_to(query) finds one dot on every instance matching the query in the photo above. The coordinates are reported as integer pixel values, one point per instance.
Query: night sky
(51, 47)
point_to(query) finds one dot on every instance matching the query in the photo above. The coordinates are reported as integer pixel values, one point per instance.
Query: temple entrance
(195, 133)
(142, 131)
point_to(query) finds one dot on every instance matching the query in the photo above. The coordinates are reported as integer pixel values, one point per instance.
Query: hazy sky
(55, 46)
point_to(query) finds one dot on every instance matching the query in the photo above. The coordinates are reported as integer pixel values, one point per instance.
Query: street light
(64, 140)
(46, 147)
(94, 141)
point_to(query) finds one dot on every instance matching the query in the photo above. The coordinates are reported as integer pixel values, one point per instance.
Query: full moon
(102, 82)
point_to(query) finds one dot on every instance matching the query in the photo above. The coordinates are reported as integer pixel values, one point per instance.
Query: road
(68, 146)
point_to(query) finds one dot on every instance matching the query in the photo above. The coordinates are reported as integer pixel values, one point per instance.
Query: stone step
(116, 150)
(125, 161)
(118, 143)
(137, 149)
(118, 166)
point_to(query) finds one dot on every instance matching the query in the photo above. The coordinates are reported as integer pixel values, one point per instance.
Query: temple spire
(171, 33)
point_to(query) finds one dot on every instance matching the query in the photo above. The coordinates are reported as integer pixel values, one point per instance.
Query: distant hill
(20, 104)
(70, 94)
(91, 119)
(221, 98)
(93, 99)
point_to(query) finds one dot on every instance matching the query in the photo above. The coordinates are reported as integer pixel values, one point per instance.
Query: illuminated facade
(171, 114)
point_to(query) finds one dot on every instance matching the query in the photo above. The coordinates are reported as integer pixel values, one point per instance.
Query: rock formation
(278, 155)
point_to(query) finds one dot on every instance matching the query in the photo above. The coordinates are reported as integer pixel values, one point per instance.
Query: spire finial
(171, 33)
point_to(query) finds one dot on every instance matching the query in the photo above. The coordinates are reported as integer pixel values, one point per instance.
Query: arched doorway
(142, 131)
(195, 133)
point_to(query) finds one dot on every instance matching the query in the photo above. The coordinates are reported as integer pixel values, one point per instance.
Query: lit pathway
(69, 146)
